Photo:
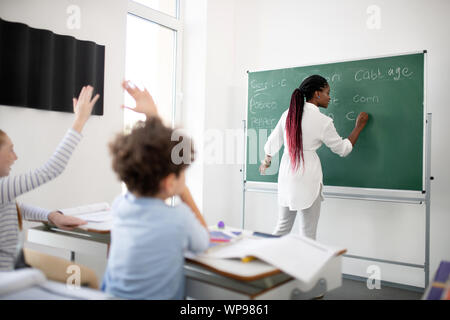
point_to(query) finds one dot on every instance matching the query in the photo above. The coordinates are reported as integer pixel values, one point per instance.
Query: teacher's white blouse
(299, 189)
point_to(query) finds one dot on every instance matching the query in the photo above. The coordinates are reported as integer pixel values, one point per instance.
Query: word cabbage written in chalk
(396, 73)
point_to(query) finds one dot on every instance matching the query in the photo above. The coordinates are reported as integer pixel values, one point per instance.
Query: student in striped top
(12, 186)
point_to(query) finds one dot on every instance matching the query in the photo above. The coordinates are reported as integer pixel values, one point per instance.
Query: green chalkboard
(389, 152)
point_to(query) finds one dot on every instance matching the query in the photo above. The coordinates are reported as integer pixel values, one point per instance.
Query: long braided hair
(294, 118)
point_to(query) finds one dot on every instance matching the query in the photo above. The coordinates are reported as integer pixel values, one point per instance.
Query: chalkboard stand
(424, 197)
(244, 123)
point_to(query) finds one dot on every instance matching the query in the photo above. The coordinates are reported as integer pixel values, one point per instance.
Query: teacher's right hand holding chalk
(361, 122)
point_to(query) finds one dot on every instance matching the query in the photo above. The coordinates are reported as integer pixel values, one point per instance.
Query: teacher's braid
(294, 118)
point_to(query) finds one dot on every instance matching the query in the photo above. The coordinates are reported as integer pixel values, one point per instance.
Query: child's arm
(32, 213)
(144, 101)
(13, 186)
(186, 197)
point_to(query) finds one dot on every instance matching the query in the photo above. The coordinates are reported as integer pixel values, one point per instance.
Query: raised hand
(144, 101)
(82, 107)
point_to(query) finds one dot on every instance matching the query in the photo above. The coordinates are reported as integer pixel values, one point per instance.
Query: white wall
(265, 34)
(88, 177)
(193, 86)
(222, 179)
(208, 108)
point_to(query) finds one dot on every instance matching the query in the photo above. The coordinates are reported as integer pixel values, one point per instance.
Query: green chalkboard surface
(389, 152)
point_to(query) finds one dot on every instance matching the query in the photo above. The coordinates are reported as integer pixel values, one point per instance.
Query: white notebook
(97, 215)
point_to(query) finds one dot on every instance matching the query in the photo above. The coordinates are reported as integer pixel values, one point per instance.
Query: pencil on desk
(219, 240)
(247, 259)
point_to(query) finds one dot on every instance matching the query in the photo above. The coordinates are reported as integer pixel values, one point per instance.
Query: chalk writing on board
(334, 78)
(264, 85)
(333, 101)
(261, 122)
(262, 102)
(362, 99)
(350, 116)
(395, 73)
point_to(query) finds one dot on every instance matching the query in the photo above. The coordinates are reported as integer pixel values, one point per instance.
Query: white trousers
(308, 220)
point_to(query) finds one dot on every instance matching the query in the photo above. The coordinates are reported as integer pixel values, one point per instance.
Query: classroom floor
(357, 290)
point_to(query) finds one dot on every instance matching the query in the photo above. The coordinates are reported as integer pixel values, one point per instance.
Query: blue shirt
(148, 241)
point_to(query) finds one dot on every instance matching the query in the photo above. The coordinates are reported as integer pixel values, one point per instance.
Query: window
(153, 60)
(169, 7)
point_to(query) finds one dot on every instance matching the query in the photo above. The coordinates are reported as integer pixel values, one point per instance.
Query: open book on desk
(97, 215)
(298, 256)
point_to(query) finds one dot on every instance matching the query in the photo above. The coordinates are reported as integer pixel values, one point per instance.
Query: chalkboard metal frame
(369, 194)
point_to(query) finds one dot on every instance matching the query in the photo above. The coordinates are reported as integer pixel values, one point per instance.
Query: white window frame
(175, 24)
